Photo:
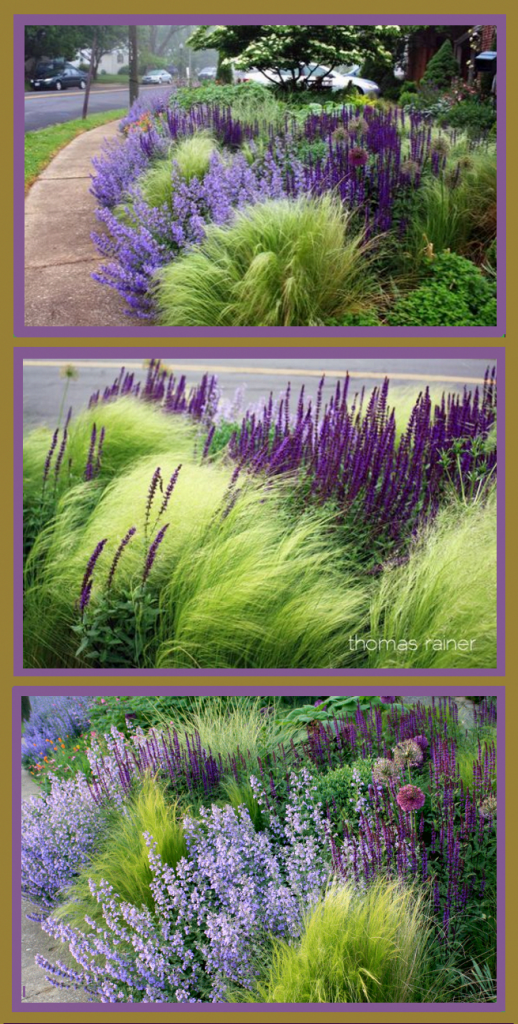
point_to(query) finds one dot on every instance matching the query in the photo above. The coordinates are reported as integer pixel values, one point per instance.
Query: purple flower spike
(85, 596)
(90, 568)
(89, 468)
(170, 488)
(60, 455)
(410, 798)
(99, 452)
(125, 540)
(50, 453)
(151, 555)
(155, 480)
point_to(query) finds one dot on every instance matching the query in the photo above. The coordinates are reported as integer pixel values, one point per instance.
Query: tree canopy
(277, 48)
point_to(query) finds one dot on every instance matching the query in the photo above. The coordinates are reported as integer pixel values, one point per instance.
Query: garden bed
(237, 849)
(223, 206)
(163, 528)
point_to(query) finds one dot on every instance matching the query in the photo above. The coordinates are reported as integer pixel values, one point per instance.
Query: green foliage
(406, 98)
(471, 116)
(241, 794)
(442, 67)
(356, 320)
(454, 293)
(338, 791)
(123, 860)
(117, 631)
(144, 711)
(446, 589)
(279, 263)
(192, 156)
(355, 948)
(457, 210)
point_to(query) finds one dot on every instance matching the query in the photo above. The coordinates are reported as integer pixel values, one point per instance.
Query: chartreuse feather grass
(446, 591)
(133, 429)
(279, 263)
(123, 859)
(356, 947)
(241, 586)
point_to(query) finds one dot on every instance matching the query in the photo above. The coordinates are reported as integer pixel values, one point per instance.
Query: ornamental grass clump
(356, 947)
(278, 263)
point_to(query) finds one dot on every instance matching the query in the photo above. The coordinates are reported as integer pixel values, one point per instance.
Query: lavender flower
(410, 798)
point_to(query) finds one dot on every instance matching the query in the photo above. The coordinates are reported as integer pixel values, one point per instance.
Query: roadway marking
(265, 371)
(49, 94)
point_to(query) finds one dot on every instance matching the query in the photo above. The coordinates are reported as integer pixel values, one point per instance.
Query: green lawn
(42, 145)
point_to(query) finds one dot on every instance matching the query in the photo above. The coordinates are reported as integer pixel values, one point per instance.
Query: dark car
(207, 74)
(58, 76)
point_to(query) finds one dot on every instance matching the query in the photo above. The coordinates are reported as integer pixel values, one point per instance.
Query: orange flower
(45, 758)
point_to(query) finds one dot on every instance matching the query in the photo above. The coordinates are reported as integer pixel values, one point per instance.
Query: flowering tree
(273, 49)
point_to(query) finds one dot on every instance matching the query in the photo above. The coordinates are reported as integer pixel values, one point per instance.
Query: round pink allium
(408, 754)
(358, 157)
(410, 798)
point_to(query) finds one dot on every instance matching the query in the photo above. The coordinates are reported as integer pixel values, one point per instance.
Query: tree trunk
(90, 74)
(26, 709)
(133, 64)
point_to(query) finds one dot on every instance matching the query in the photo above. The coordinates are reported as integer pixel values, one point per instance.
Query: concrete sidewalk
(59, 254)
(35, 987)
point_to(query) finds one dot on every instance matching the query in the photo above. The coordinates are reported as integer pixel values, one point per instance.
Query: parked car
(312, 76)
(58, 76)
(158, 77)
(207, 74)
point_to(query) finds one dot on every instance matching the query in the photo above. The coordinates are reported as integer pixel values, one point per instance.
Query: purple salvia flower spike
(151, 555)
(125, 540)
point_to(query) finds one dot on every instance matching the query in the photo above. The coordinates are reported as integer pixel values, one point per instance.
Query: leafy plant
(454, 293)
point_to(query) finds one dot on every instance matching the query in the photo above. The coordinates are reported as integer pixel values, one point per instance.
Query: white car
(157, 78)
(313, 75)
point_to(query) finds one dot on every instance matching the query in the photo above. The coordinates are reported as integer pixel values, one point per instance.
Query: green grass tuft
(355, 948)
(446, 590)
(279, 263)
(123, 861)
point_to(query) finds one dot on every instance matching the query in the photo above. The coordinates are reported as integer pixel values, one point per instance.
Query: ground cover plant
(165, 529)
(228, 205)
(358, 865)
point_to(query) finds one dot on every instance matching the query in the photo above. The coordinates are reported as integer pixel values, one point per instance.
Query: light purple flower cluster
(60, 831)
(213, 914)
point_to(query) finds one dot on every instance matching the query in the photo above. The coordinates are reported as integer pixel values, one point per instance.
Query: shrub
(279, 263)
(442, 67)
(470, 116)
(343, 790)
(455, 293)
(355, 948)
(406, 98)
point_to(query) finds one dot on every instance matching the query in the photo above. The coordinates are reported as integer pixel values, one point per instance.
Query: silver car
(313, 76)
(157, 78)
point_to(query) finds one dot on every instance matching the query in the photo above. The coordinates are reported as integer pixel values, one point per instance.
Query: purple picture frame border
(440, 691)
(21, 331)
(22, 352)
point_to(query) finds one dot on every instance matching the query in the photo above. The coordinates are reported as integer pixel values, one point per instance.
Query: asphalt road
(43, 383)
(46, 108)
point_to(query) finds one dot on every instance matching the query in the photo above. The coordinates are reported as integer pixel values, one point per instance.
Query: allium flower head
(487, 809)
(388, 700)
(441, 146)
(410, 798)
(384, 770)
(410, 167)
(408, 754)
(358, 157)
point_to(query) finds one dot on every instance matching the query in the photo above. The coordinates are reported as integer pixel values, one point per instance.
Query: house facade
(466, 41)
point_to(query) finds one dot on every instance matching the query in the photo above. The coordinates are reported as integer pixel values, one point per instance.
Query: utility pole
(90, 73)
(133, 64)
